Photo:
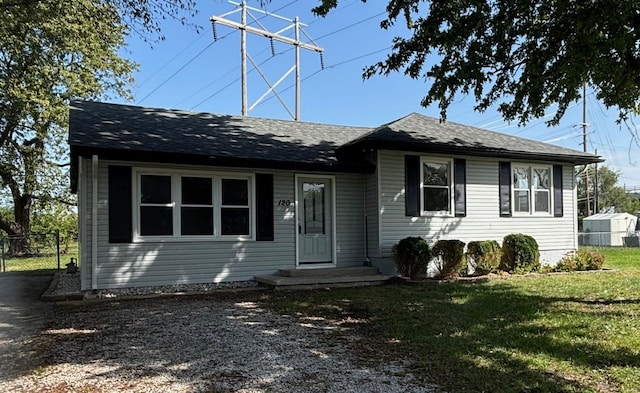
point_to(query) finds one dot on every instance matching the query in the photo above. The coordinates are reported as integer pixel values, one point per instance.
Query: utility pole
(245, 27)
(596, 197)
(584, 145)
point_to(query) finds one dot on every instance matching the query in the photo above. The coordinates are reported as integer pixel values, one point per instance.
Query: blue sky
(191, 71)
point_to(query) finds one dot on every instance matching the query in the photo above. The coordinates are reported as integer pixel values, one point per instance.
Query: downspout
(94, 222)
(367, 261)
(82, 227)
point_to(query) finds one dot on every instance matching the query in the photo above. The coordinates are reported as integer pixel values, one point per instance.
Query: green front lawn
(555, 333)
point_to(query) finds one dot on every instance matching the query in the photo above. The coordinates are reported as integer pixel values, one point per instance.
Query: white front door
(315, 225)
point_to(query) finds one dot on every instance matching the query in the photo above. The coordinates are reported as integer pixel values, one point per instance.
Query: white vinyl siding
(204, 261)
(350, 220)
(372, 211)
(555, 235)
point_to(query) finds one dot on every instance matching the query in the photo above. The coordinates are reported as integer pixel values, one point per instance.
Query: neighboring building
(175, 197)
(608, 229)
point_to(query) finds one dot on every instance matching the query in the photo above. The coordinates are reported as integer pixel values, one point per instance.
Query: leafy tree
(610, 196)
(49, 218)
(53, 51)
(525, 56)
(142, 17)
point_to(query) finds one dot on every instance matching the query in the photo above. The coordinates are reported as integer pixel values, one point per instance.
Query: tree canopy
(524, 56)
(610, 197)
(52, 51)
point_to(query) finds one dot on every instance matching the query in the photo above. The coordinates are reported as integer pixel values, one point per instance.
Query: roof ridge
(138, 107)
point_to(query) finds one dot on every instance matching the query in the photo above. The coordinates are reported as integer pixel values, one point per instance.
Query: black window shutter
(412, 186)
(120, 225)
(505, 188)
(460, 187)
(264, 205)
(557, 191)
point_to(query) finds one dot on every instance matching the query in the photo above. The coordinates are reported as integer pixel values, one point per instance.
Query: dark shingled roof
(166, 135)
(97, 126)
(421, 133)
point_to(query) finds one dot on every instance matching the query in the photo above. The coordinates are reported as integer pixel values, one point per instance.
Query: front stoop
(290, 279)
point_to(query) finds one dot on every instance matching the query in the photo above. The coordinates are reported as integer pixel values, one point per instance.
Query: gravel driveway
(226, 343)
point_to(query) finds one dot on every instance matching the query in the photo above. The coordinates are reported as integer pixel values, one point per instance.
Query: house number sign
(284, 202)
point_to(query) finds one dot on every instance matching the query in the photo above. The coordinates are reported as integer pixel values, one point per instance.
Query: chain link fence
(609, 239)
(35, 251)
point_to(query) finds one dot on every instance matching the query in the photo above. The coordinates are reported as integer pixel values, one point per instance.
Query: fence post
(58, 246)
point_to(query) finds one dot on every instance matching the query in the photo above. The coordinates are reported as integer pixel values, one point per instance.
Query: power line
(351, 25)
(197, 55)
(175, 73)
(287, 50)
(171, 60)
(332, 66)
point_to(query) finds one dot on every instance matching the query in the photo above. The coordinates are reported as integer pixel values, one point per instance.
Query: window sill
(192, 239)
(530, 215)
(437, 214)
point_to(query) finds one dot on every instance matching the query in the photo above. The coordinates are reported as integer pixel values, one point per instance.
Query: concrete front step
(281, 282)
(330, 272)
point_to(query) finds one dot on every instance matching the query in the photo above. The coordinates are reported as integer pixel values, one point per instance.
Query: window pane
(234, 221)
(542, 201)
(521, 178)
(435, 174)
(196, 191)
(541, 179)
(313, 199)
(156, 221)
(155, 189)
(521, 201)
(436, 199)
(235, 192)
(196, 221)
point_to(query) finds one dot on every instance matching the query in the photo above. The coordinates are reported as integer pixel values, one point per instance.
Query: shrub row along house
(174, 197)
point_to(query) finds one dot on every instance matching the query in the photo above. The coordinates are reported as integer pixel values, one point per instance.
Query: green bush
(411, 256)
(520, 254)
(583, 260)
(450, 260)
(484, 256)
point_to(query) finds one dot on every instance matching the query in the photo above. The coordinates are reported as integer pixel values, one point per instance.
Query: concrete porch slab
(314, 282)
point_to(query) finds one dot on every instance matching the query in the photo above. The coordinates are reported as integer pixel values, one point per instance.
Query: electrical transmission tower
(245, 27)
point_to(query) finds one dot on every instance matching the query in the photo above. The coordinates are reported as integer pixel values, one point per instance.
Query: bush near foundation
(582, 260)
(520, 254)
(411, 256)
(483, 256)
(450, 260)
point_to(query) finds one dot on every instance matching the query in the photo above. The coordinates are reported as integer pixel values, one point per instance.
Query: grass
(551, 333)
(39, 263)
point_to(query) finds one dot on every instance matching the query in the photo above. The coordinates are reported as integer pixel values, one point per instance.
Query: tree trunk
(18, 231)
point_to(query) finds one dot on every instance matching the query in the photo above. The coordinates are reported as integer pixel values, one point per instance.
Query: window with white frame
(436, 185)
(531, 189)
(193, 205)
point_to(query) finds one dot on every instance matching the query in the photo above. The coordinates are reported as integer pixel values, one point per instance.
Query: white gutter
(94, 222)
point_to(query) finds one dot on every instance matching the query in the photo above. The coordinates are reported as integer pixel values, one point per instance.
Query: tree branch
(55, 199)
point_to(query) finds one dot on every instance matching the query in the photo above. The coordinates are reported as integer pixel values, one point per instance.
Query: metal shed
(608, 229)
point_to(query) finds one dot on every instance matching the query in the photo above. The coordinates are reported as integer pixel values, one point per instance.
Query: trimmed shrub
(411, 256)
(520, 254)
(583, 260)
(450, 260)
(483, 256)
